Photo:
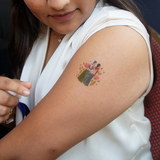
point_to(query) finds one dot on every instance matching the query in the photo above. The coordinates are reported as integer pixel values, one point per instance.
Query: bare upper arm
(72, 111)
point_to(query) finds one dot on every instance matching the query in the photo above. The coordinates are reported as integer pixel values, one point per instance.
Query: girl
(53, 40)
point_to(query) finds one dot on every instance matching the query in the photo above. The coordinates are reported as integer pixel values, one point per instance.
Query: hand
(7, 100)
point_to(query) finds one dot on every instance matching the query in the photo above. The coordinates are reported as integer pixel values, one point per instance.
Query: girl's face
(63, 16)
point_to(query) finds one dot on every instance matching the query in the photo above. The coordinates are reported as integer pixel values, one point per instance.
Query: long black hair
(24, 31)
(26, 28)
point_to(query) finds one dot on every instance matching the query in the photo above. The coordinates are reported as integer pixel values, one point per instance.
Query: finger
(12, 85)
(4, 118)
(7, 99)
(25, 84)
(4, 111)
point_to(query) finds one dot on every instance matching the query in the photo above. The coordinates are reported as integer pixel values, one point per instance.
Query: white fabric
(127, 137)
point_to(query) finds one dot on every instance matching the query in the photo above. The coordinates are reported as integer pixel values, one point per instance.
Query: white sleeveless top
(126, 137)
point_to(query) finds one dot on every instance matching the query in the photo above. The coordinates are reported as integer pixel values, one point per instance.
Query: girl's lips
(63, 17)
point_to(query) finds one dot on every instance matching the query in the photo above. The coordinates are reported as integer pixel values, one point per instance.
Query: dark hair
(26, 28)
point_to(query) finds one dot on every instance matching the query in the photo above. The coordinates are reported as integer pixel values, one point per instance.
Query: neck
(57, 35)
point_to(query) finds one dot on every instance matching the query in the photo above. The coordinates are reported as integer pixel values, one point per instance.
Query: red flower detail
(96, 77)
(86, 65)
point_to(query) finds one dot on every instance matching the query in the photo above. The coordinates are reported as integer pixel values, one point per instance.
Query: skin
(7, 101)
(127, 75)
(45, 9)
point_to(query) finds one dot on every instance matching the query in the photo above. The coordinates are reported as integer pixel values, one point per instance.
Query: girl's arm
(72, 111)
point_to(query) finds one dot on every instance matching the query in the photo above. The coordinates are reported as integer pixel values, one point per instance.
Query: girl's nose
(58, 4)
